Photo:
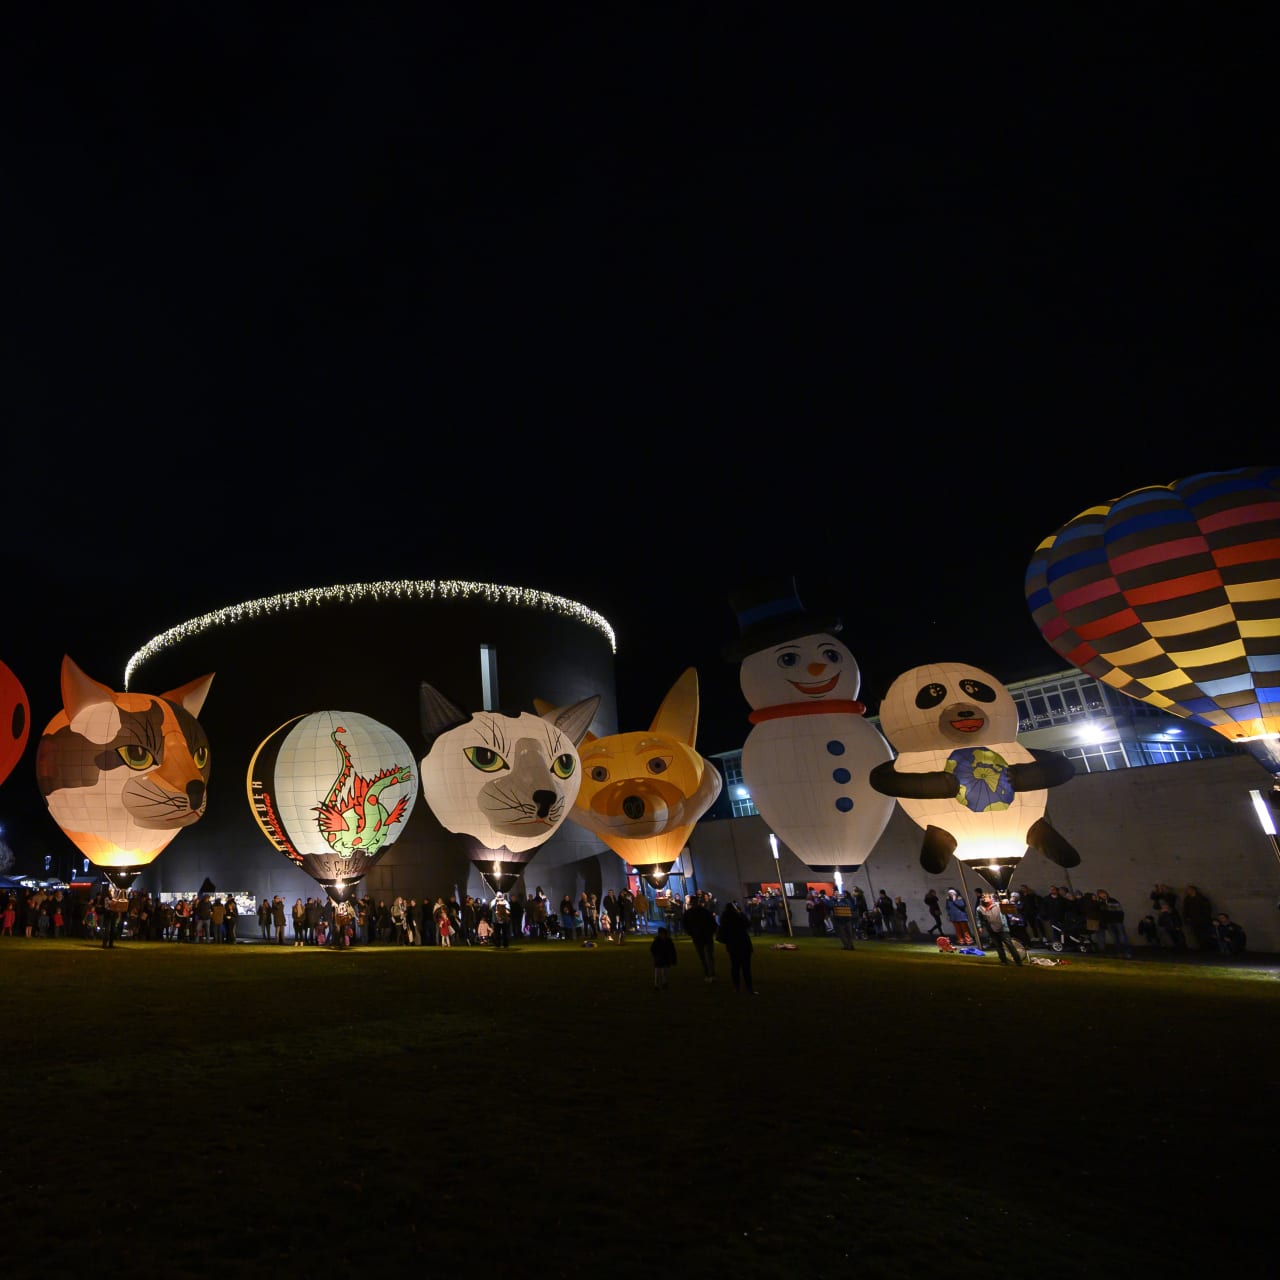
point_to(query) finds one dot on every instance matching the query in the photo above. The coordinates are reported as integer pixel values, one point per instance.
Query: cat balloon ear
(549, 711)
(79, 691)
(574, 720)
(191, 695)
(436, 713)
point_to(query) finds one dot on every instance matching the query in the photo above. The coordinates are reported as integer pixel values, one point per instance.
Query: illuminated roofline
(359, 592)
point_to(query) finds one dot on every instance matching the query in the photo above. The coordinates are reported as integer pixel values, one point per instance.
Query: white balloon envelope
(332, 791)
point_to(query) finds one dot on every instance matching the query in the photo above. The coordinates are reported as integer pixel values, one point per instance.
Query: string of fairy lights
(408, 590)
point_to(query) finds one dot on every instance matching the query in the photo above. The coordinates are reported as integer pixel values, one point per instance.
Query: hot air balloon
(807, 758)
(332, 791)
(1171, 595)
(15, 721)
(504, 781)
(123, 773)
(643, 792)
(962, 775)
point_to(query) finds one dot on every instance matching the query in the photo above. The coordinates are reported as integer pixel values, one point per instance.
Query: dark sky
(635, 307)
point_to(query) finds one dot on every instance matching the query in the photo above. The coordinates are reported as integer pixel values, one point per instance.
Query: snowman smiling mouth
(815, 690)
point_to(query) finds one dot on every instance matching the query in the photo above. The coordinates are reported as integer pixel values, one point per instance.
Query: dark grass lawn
(258, 1110)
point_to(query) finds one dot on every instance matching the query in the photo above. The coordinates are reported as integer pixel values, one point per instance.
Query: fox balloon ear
(678, 715)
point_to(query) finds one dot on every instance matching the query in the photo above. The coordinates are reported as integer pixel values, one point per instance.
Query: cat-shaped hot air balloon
(123, 773)
(505, 781)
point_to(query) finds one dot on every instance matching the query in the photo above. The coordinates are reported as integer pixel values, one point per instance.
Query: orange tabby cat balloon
(123, 773)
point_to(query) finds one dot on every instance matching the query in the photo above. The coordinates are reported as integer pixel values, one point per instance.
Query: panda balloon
(961, 774)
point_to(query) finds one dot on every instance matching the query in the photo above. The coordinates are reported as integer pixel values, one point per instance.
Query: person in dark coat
(1197, 915)
(734, 935)
(935, 910)
(663, 951)
(700, 925)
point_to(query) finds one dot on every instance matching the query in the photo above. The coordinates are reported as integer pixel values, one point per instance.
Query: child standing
(663, 951)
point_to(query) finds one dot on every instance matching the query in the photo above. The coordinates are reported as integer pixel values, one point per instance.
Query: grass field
(258, 1110)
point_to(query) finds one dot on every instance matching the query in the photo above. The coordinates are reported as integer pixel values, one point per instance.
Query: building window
(740, 802)
(1101, 758)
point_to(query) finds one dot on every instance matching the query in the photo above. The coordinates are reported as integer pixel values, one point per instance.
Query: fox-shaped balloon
(643, 792)
(123, 773)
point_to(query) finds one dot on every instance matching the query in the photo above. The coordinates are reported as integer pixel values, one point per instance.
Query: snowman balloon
(962, 775)
(808, 758)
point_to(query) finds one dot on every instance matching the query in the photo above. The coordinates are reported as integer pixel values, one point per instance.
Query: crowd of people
(1061, 915)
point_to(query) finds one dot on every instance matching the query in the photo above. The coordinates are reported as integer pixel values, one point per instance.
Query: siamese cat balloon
(123, 773)
(506, 782)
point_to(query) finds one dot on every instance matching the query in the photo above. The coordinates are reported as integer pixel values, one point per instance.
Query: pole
(968, 905)
(786, 906)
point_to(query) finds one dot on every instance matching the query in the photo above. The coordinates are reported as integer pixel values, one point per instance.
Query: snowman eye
(788, 659)
(832, 655)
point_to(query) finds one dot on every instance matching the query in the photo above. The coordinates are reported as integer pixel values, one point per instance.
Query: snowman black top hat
(769, 612)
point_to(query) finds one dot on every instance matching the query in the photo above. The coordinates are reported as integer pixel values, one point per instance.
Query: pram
(1070, 935)
(553, 926)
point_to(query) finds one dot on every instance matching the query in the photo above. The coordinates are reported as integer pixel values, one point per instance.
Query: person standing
(1032, 912)
(935, 910)
(232, 917)
(842, 918)
(1111, 924)
(884, 905)
(958, 915)
(264, 920)
(700, 925)
(734, 935)
(663, 951)
(993, 917)
(501, 921)
(1197, 915)
(312, 916)
(899, 918)
(113, 911)
(278, 918)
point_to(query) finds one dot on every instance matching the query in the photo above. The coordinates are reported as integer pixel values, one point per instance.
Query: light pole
(786, 907)
(1265, 820)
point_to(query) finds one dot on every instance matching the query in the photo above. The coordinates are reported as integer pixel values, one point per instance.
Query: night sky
(635, 308)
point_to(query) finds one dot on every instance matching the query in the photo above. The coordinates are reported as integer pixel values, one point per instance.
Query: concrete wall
(1176, 824)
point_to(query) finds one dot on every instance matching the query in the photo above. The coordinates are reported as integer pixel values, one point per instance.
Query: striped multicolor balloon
(1171, 594)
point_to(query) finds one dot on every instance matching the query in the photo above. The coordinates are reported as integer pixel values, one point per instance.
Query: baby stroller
(553, 926)
(1071, 935)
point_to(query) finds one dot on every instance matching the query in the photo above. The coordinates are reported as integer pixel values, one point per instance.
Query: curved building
(367, 648)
